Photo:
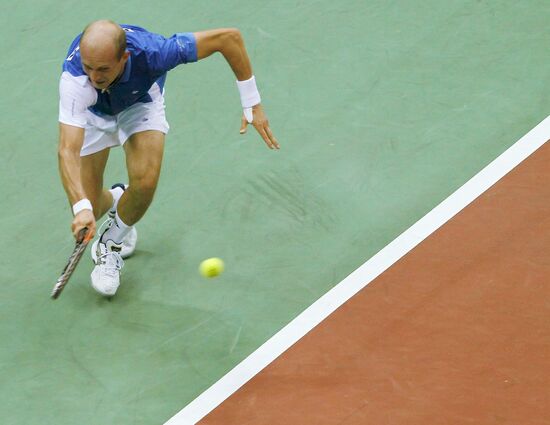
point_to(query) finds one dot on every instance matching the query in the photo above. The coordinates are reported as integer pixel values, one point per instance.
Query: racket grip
(82, 234)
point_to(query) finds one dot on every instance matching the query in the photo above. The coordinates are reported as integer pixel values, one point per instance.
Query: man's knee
(144, 186)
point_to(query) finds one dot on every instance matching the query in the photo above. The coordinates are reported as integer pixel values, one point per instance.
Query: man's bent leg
(91, 172)
(105, 277)
(144, 152)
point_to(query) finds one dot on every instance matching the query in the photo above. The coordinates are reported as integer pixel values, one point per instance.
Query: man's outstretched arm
(70, 143)
(229, 42)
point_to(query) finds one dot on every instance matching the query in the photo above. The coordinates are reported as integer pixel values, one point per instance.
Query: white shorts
(109, 131)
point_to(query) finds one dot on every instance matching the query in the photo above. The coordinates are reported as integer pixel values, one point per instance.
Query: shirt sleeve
(179, 49)
(75, 96)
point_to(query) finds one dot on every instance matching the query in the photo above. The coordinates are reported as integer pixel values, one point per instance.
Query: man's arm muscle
(229, 42)
(70, 143)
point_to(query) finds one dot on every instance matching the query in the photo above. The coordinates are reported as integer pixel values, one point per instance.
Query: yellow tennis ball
(211, 267)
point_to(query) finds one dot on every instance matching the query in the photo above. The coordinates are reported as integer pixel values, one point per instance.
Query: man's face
(103, 67)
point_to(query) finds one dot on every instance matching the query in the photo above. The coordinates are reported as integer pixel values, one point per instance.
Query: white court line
(361, 277)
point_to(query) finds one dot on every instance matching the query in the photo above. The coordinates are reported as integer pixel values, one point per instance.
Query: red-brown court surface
(456, 332)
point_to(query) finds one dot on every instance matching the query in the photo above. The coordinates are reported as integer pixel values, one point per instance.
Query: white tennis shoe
(128, 243)
(105, 276)
(130, 240)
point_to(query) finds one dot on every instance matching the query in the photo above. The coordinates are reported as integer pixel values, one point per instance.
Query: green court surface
(382, 109)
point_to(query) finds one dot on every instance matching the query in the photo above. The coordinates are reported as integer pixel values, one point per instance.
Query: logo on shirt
(71, 56)
(135, 92)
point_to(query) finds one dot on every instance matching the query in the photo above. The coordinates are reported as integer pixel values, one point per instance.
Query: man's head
(103, 52)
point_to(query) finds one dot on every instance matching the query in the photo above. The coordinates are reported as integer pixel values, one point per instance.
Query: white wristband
(83, 204)
(249, 96)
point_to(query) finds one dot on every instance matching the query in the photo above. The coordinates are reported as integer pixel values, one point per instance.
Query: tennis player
(111, 94)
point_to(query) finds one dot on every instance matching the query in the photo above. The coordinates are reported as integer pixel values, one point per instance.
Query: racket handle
(81, 234)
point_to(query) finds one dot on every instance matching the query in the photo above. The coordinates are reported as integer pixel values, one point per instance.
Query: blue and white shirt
(151, 56)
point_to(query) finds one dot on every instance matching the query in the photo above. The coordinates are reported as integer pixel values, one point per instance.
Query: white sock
(117, 194)
(117, 231)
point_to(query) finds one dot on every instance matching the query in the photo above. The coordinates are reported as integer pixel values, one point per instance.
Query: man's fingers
(76, 231)
(261, 124)
(90, 233)
(84, 219)
(266, 138)
(272, 137)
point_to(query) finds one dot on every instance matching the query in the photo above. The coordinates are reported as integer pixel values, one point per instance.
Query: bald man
(111, 94)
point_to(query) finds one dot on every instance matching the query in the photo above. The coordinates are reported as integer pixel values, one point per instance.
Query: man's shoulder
(158, 52)
(133, 29)
(72, 63)
(140, 39)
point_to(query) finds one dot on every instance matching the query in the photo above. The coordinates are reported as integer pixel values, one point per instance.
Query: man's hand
(84, 218)
(229, 42)
(261, 124)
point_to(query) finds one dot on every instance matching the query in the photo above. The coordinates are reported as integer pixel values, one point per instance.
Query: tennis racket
(80, 247)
